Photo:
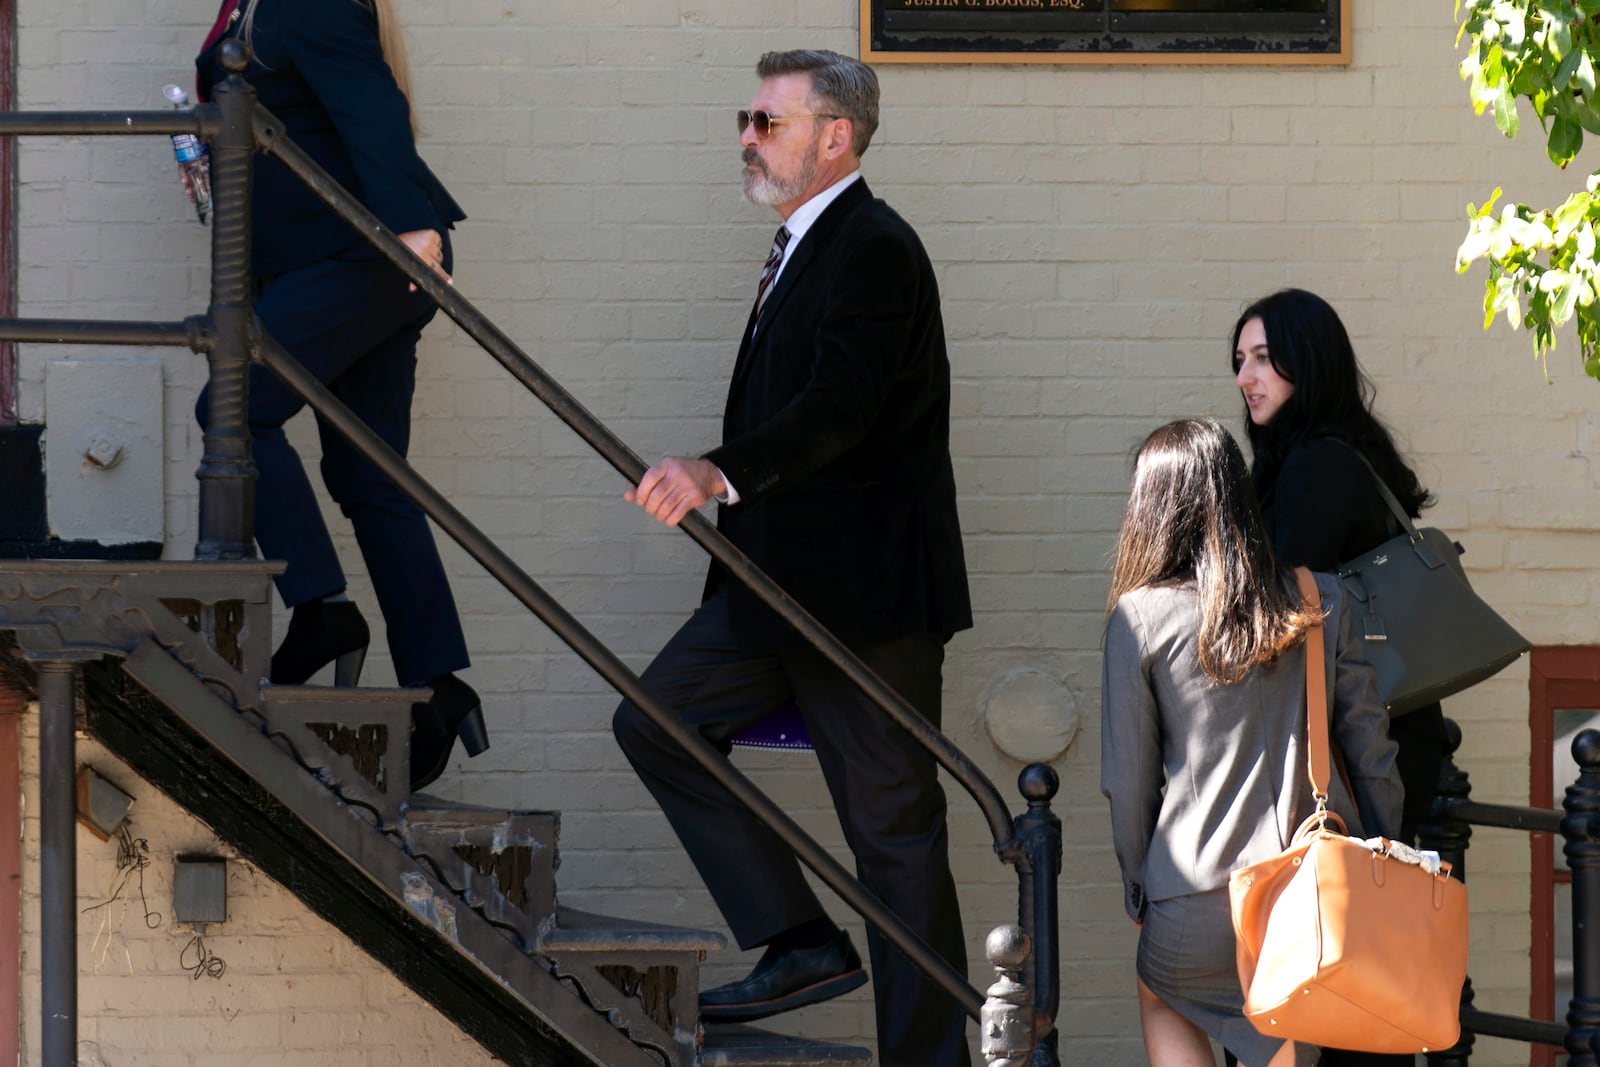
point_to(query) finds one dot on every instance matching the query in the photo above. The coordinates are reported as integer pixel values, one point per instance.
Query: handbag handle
(1317, 759)
(1383, 490)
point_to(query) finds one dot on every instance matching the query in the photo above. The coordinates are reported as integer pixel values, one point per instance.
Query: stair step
(585, 932)
(745, 1046)
(644, 976)
(503, 863)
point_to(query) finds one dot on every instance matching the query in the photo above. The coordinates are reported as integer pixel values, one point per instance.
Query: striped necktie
(769, 272)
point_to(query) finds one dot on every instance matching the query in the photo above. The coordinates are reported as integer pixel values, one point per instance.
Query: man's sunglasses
(763, 121)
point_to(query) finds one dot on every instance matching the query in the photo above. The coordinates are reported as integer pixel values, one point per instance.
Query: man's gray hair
(842, 86)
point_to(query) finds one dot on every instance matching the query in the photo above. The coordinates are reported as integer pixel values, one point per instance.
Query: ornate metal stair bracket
(357, 741)
(214, 618)
(503, 864)
(644, 976)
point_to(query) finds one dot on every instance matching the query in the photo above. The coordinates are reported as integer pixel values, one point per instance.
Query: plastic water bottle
(194, 159)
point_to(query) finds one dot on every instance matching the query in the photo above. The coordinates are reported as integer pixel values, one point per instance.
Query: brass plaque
(1105, 31)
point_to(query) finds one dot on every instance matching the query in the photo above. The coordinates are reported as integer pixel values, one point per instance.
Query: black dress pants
(884, 787)
(351, 321)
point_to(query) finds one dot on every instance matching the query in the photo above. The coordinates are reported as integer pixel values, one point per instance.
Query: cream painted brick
(1094, 245)
(283, 962)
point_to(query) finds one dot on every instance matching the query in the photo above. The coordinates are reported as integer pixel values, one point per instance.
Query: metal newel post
(227, 473)
(1007, 1016)
(1582, 806)
(1038, 836)
(1449, 836)
(58, 855)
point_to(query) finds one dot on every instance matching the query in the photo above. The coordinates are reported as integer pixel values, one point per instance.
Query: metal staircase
(309, 783)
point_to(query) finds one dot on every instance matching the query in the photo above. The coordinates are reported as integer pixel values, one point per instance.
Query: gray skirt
(1187, 958)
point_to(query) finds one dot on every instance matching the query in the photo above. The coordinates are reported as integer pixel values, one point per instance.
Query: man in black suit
(834, 475)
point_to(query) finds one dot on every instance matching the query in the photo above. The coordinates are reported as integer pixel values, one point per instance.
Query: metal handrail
(1448, 831)
(594, 652)
(630, 466)
(1036, 854)
(230, 336)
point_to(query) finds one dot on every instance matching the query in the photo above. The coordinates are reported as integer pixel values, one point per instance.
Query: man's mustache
(749, 155)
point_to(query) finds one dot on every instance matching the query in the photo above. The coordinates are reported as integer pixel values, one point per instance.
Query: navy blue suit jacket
(837, 437)
(318, 67)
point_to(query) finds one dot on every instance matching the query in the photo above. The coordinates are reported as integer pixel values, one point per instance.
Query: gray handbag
(1428, 634)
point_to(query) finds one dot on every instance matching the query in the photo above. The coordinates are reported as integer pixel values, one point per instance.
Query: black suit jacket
(837, 437)
(318, 67)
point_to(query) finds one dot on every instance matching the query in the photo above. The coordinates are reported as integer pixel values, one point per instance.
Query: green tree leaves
(1542, 270)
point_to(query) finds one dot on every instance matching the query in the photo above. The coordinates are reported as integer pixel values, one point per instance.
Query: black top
(837, 437)
(318, 67)
(1324, 508)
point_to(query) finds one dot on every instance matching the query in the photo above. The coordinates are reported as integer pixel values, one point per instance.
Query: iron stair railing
(230, 336)
(1448, 831)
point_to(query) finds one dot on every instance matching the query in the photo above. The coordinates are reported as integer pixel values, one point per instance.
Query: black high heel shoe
(454, 711)
(321, 633)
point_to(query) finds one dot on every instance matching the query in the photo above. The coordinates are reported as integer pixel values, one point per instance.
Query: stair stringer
(512, 843)
(413, 900)
(185, 734)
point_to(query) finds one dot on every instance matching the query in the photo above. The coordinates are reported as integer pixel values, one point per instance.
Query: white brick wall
(1096, 231)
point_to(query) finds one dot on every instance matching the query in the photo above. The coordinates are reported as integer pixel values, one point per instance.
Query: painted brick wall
(1096, 231)
(294, 991)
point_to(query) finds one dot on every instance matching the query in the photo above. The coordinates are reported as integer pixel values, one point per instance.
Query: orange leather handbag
(1342, 942)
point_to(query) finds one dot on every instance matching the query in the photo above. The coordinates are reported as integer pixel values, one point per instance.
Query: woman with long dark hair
(334, 72)
(1308, 408)
(1203, 755)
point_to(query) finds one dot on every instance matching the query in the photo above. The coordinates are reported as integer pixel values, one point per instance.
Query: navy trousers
(352, 321)
(884, 787)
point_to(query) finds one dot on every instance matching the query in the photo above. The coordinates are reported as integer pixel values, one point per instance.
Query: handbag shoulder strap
(1383, 490)
(1316, 689)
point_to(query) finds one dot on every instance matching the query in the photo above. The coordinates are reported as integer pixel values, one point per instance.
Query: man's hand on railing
(674, 487)
(429, 247)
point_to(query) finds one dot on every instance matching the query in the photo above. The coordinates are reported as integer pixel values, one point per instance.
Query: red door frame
(11, 701)
(12, 705)
(1564, 677)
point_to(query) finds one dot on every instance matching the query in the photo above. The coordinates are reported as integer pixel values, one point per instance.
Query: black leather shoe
(454, 711)
(321, 633)
(783, 981)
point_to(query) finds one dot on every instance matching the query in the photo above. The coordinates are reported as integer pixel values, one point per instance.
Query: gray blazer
(1204, 779)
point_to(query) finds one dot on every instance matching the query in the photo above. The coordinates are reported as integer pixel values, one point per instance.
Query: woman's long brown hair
(1192, 515)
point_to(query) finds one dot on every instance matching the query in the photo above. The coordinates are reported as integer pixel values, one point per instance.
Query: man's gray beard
(766, 191)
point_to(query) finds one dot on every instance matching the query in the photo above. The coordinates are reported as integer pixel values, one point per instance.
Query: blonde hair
(391, 41)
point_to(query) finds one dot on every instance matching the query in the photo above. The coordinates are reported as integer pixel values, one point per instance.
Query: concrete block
(104, 456)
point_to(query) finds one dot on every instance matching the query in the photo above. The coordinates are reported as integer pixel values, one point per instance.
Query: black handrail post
(58, 855)
(1446, 833)
(227, 472)
(1035, 850)
(1582, 807)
